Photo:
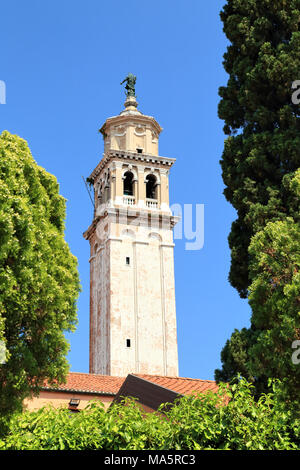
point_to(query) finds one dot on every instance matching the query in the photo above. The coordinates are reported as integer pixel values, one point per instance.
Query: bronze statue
(130, 85)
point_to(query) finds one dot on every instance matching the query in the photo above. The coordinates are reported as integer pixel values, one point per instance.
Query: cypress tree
(261, 154)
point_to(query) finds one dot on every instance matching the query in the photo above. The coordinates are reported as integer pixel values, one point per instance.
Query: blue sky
(62, 63)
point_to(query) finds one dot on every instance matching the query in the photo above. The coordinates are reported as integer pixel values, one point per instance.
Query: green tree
(275, 301)
(234, 356)
(206, 421)
(39, 281)
(259, 163)
(263, 60)
(265, 349)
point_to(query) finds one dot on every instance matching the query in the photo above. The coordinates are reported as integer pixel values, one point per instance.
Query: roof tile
(107, 384)
(93, 383)
(183, 385)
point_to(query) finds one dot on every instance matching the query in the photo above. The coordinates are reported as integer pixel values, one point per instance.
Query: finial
(130, 84)
(130, 103)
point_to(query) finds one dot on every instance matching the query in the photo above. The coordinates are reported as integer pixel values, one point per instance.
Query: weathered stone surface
(132, 301)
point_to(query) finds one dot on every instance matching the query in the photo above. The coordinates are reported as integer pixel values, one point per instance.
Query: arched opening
(151, 186)
(128, 184)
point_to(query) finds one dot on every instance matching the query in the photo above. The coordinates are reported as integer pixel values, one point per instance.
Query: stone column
(164, 190)
(118, 183)
(113, 187)
(158, 194)
(141, 187)
(135, 190)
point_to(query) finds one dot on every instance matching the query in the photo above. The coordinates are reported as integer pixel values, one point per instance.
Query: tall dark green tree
(39, 281)
(262, 151)
(263, 61)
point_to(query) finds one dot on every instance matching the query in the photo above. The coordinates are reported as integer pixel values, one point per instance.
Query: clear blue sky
(62, 62)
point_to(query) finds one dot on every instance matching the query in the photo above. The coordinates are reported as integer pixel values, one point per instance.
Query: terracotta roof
(182, 385)
(89, 383)
(109, 385)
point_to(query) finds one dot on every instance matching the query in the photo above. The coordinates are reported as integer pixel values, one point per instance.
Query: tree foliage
(263, 60)
(194, 423)
(265, 349)
(260, 170)
(39, 281)
(275, 301)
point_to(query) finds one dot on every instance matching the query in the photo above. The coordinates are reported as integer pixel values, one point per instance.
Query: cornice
(125, 118)
(87, 234)
(126, 155)
(136, 216)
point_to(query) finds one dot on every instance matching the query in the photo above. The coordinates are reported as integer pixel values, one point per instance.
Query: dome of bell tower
(131, 130)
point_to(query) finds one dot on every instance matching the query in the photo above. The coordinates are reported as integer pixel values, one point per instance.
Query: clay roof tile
(110, 385)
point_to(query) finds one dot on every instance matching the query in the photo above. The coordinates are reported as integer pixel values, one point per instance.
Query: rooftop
(109, 385)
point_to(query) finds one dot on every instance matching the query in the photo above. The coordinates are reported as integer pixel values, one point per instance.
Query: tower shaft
(132, 287)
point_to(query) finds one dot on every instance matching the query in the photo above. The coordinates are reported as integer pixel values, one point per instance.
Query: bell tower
(132, 289)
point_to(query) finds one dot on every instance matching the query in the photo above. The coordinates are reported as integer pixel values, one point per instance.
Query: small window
(139, 150)
(128, 184)
(128, 343)
(151, 185)
(73, 405)
(127, 260)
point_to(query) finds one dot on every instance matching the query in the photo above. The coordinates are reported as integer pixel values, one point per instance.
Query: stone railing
(129, 200)
(152, 203)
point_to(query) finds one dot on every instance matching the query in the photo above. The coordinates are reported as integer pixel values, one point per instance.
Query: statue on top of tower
(130, 85)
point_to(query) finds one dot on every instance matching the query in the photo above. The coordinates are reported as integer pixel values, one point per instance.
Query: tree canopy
(260, 166)
(263, 61)
(39, 282)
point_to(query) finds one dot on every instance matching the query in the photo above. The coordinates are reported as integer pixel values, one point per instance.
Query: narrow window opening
(151, 187)
(128, 343)
(127, 260)
(128, 184)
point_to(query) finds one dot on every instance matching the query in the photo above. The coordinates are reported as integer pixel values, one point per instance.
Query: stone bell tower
(132, 290)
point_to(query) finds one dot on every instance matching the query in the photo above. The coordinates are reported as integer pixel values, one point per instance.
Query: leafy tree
(265, 349)
(39, 281)
(231, 419)
(259, 163)
(275, 301)
(234, 356)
